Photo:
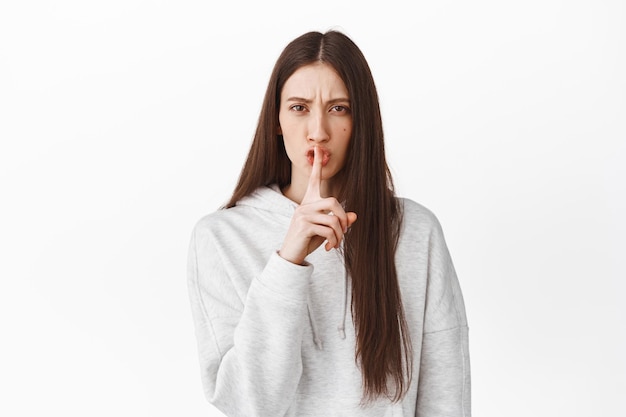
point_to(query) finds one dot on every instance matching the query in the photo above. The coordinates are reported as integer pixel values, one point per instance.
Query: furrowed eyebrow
(308, 101)
(300, 99)
(339, 100)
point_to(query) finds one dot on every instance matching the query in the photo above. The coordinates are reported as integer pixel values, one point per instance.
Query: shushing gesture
(315, 220)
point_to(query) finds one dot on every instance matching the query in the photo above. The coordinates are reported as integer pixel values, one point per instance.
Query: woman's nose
(318, 130)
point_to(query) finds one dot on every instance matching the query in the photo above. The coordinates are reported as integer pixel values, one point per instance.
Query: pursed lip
(310, 155)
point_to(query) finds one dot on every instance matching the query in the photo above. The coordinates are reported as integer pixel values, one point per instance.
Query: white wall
(123, 122)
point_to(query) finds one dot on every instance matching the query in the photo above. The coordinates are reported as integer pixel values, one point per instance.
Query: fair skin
(316, 124)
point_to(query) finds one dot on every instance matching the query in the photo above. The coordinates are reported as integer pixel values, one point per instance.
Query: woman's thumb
(351, 217)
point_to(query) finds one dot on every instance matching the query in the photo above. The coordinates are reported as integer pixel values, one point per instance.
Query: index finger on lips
(315, 179)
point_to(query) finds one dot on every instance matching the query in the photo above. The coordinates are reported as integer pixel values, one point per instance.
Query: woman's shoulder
(265, 208)
(415, 214)
(210, 224)
(223, 218)
(420, 229)
(210, 219)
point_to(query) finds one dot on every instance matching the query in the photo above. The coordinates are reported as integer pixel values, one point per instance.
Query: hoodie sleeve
(250, 350)
(444, 373)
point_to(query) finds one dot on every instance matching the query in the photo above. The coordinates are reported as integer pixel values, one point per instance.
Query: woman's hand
(315, 220)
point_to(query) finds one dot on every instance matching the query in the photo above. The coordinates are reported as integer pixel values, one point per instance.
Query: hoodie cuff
(286, 278)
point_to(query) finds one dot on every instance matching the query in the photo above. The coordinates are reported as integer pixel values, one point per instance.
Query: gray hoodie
(277, 339)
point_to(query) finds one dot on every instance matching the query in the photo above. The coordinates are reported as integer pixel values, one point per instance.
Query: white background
(123, 122)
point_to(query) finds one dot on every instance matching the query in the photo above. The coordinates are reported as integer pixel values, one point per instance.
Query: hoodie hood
(269, 198)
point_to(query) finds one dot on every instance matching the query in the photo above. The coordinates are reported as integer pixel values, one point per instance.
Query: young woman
(316, 291)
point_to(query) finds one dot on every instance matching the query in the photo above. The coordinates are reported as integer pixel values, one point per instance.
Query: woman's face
(315, 110)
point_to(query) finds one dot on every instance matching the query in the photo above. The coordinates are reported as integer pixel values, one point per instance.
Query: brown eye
(339, 109)
(297, 107)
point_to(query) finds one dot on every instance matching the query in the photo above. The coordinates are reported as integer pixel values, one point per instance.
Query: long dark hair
(383, 345)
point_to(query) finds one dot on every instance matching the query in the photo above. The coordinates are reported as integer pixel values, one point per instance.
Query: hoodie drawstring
(342, 326)
(316, 338)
